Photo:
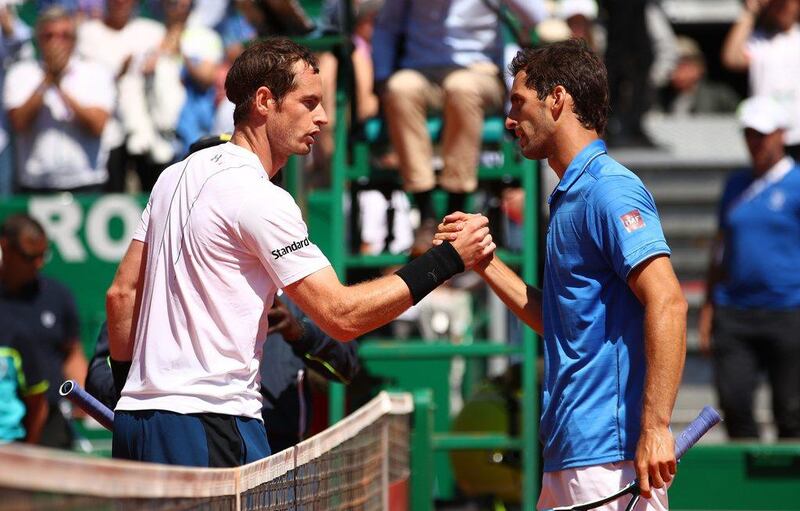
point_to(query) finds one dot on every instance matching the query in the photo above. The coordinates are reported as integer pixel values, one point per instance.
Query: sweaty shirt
(221, 240)
(603, 223)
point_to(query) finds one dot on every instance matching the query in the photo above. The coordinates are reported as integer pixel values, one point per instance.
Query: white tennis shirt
(221, 240)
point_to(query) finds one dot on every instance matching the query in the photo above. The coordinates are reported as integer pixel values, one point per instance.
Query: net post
(385, 479)
(422, 452)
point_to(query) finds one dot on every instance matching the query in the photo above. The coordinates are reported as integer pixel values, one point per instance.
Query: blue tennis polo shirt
(762, 243)
(603, 223)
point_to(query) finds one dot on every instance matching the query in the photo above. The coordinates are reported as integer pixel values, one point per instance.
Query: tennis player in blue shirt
(611, 311)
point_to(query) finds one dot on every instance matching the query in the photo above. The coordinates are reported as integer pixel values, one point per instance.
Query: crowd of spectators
(102, 95)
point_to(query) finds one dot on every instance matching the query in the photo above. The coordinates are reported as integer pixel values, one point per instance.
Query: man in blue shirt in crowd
(753, 286)
(611, 312)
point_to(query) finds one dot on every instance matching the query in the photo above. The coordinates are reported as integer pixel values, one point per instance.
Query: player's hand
(655, 459)
(282, 321)
(704, 323)
(450, 227)
(474, 243)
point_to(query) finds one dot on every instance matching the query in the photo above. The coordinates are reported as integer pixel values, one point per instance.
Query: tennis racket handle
(87, 402)
(707, 419)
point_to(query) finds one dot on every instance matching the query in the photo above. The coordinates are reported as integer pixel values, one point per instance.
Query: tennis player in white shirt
(188, 306)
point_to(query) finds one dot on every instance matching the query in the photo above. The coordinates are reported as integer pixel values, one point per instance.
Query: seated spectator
(14, 46)
(451, 62)
(689, 91)
(121, 42)
(200, 50)
(178, 80)
(640, 54)
(235, 32)
(581, 18)
(58, 107)
(764, 41)
(81, 9)
(42, 313)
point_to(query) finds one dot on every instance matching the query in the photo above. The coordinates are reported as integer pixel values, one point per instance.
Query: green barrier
(88, 236)
(738, 477)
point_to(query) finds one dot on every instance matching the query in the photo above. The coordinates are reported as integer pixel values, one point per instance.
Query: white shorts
(583, 484)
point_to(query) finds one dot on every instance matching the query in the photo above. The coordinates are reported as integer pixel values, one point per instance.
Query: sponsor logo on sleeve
(632, 220)
(288, 249)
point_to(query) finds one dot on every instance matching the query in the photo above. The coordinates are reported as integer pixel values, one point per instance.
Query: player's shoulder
(612, 180)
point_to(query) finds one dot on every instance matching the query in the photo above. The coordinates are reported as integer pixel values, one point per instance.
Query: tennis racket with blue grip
(707, 419)
(86, 402)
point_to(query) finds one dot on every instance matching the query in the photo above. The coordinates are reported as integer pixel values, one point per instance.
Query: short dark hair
(13, 227)
(267, 63)
(575, 67)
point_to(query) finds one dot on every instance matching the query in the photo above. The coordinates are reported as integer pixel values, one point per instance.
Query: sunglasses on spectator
(66, 35)
(29, 257)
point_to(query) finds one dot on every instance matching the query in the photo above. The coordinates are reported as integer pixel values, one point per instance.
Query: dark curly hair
(575, 67)
(267, 63)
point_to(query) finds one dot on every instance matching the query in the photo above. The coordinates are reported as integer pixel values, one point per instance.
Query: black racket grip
(707, 419)
(87, 402)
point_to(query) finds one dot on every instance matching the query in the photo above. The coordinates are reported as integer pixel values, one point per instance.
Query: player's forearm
(119, 310)
(665, 352)
(123, 300)
(366, 306)
(524, 300)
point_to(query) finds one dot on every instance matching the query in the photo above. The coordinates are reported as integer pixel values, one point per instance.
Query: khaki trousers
(462, 96)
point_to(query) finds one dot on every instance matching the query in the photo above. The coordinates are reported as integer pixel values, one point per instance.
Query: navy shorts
(196, 440)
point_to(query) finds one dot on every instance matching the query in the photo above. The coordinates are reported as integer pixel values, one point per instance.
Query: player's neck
(246, 137)
(567, 146)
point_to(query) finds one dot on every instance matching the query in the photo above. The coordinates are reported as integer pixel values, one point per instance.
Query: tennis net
(360, 463)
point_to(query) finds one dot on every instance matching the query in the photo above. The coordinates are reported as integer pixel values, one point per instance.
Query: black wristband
(426, 272)
(119, 371)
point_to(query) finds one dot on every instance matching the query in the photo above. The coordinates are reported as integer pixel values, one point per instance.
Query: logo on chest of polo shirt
(777, 200)
(632, 220)
(288, 249)
(48, 319)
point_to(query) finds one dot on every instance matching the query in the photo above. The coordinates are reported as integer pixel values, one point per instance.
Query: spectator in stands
(447, 56)
(81, 9)
(689, 91)
(42, 312)
(765, 40)
(200, 49)
(121, 42)
(752, 305)
(58, 107)
(235, 32)
(14, 46)
(581, 18)
(640, 55)
(294, 345)
(23, 407)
